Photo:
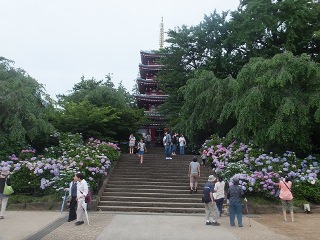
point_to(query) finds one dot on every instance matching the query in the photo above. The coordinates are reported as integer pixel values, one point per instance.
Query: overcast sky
(58, 41)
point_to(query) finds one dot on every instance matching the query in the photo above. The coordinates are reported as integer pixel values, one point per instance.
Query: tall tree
(277, 103)
(98, 109)
(24, 108)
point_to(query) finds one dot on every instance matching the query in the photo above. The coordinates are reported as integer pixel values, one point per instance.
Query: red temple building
(150, 95)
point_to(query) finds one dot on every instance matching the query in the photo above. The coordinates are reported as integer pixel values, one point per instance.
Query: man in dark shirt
(210, 205)
(234, 195)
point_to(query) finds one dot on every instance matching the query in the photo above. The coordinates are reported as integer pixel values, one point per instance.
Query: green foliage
(24, 110)
(306, 191)
(202, 62)
(274, 101)
(98, 109)
(25, 181)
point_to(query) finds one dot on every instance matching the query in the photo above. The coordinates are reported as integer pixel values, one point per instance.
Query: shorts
(140, 152)
(287, 205)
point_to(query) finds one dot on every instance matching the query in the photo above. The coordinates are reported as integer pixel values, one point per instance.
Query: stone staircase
(157, 185)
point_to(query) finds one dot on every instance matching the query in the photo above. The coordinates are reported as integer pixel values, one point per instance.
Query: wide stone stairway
(157, 185)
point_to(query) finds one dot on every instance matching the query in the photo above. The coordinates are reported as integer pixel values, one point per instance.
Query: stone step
(151, 209)
(146, 186)
(153, 204)
(124, 199)
(157, 185)
(164, 182)
(149, 190)
(158, 195)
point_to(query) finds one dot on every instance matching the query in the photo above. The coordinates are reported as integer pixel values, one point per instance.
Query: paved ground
(49, 225)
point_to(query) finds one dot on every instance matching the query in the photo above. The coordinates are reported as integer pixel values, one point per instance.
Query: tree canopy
(24, 111)
(206, 64)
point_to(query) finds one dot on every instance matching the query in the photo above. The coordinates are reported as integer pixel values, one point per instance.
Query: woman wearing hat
(4, 177)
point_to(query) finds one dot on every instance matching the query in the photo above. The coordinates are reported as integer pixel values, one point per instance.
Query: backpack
(206, 195)
(88, 197)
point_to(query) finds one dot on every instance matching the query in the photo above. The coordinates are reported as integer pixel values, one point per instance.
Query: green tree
(24, 111)
(98, 109)
(205, 97)
(276, 103)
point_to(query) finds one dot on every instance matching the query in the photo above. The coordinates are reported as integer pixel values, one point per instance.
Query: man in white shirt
(82, 191)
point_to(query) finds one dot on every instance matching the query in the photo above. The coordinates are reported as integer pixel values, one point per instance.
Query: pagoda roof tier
(144, 100)
(148, 81)
(154, 114)
(149, 70)
(148, 85)
(154, 125)
(145, 67)
(149, 57)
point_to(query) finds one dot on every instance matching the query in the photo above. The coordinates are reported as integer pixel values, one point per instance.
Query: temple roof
(148, 57)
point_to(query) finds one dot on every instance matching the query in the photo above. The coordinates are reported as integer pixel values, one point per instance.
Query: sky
(58, 41)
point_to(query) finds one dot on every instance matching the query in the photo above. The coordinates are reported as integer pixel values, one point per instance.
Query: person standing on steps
(168, 144)
(194, 174)
(82, 192)
(219, 193)
(286, 197)
(174, 144)
(4, 178)
(182, 144)
(148, 140)
(132, 143)
(141, 150)
(235, 193)
(204, 157)
(210, 206)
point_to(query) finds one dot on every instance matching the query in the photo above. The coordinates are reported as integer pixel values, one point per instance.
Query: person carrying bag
(5, 190)
(286, 197)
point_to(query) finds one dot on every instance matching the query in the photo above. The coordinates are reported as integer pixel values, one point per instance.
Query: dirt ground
(306, 226)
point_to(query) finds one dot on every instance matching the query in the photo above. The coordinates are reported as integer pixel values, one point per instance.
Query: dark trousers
(219, 203)
(73, 209)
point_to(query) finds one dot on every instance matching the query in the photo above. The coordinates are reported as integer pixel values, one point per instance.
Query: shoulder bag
(7, 190)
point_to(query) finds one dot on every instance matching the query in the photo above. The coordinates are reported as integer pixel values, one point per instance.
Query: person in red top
(286, 197)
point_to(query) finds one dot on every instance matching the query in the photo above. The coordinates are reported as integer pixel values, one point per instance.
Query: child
(204, 157)
(141, 150)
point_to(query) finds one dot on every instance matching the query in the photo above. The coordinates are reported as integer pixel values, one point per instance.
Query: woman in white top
(219, 193)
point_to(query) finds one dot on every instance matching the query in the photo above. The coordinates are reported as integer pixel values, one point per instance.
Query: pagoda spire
(161, 39)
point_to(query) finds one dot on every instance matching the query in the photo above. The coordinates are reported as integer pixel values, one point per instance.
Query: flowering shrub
(259, 172)
(55, 169)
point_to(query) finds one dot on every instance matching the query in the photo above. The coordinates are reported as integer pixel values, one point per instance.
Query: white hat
(5, 171)
(211, 178)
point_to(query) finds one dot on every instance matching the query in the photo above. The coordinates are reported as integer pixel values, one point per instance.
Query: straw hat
(211, 178)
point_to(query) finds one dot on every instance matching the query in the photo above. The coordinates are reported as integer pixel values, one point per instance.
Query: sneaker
(170, 158)
(79, 222)
(208, 223)
(215, 224)
(167, 158)
(240, 225)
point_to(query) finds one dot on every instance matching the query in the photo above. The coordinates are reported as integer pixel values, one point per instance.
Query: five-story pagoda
(150, 95)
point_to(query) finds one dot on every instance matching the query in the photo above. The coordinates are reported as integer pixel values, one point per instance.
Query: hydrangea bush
(260, 172)
(54, 170)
